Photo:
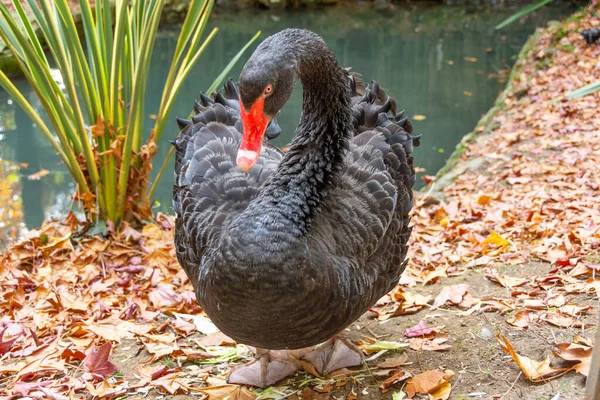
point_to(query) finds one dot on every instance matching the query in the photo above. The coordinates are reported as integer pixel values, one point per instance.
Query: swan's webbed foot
(262, 372)
(335, 354)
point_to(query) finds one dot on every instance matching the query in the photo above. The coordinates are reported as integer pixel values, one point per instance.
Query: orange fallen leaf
(442, 392)
(38, 175)
(535, 371)
(169, 382)
(563, 321)
(230, 392)
(574, 310)
(396, 377)
(105, 389)
(428, 382)
(432, 276)
(575, 352)
(483, 199)
(159, 350)
(520, 320)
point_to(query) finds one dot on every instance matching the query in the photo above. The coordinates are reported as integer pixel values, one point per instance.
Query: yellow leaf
(442, 392)
(496, 239)
(38, 175)
(419, 117)
(471, 59)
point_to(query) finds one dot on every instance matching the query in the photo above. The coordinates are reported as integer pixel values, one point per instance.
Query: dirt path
(505, 249)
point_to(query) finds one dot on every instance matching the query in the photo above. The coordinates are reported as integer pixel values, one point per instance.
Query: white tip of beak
(246, 159)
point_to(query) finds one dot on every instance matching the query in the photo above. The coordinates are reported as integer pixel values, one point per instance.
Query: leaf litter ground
(499, 301)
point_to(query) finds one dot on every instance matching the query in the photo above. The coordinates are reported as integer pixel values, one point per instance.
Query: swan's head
(266, 83)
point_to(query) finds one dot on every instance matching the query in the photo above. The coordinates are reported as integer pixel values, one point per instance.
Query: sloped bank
(530, 170)
(459, 161)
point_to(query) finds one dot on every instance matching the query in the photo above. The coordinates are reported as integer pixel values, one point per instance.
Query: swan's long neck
(317, 152)
(291, 198)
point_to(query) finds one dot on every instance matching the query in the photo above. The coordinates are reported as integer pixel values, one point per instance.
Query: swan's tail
(373, 109)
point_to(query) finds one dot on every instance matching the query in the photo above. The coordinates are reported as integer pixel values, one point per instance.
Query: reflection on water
(445, 64)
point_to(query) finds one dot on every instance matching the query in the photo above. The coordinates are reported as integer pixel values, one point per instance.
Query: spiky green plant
(96, 124)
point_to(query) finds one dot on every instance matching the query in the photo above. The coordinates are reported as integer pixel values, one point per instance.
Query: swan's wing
(209, 189)
(368, 209)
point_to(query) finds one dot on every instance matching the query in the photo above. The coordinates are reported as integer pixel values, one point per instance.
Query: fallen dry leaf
(96, 361)
(230, 392)
(216, 339)
(5, 345)
(393, 362)
(454, 294)
(561, 320)
(397, 376)
(575, 352)
(535, 371)
(506, 281)
(520, 320)
(496, 239)
(428, 382)
(420, 329)
(436, 343)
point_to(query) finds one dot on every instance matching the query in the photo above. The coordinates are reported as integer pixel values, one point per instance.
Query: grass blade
(67, 157)
(584, 91)
(211, 89)
(229, 66)
(522, 13)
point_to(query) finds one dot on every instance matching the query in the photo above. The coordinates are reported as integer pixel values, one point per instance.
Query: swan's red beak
(254, 124)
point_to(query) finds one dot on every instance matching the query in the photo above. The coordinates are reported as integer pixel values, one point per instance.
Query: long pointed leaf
(212, 88)
(522, 13)
(67, 157)
(584, 91)
(229, 66)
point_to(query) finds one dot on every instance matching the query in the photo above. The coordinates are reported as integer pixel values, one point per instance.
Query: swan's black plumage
(290, 253)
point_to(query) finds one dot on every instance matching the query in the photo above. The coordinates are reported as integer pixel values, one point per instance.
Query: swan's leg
(262, 372)
(334, 354)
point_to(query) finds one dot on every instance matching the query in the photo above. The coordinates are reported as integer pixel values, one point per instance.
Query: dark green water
(445, 63)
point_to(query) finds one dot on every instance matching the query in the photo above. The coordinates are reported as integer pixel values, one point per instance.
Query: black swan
(286, 250)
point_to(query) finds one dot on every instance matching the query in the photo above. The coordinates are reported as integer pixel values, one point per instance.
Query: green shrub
(96, 125)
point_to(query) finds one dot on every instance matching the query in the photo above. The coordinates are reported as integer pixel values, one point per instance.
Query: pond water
(444, 64)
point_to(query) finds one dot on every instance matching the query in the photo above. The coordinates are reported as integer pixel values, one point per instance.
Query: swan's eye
(268, 90)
